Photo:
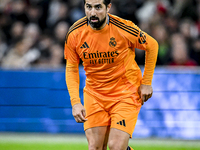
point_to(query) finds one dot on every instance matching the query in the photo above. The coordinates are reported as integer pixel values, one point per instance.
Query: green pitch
(79, 142)
(77, 146)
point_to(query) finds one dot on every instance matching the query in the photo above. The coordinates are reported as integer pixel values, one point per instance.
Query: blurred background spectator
(32, 32)
(180, 51)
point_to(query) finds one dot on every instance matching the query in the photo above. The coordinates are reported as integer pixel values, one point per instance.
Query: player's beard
(98, 24)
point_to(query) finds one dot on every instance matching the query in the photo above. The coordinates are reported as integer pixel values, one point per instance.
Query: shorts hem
(123, 131)
(103, 125)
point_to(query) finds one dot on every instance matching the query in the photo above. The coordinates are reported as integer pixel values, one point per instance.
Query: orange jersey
(108, 56)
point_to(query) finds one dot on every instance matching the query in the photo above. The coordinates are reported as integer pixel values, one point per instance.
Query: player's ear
(108, 7)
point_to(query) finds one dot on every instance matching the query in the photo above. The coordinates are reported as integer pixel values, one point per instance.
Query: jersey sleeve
(136, 36)
(72, 81)
(70, 49)
(150, 60)
(143, 41)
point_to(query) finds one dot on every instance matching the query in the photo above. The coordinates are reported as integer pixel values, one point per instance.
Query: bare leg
(106, 139)
(97, 138)
(118, 140)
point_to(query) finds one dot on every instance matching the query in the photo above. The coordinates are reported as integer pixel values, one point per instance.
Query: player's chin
(95, 24)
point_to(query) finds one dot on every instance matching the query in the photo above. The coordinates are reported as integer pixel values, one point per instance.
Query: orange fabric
(131, 148)
(119, 114)
(72, 81)
(108, 56)
(151, 57)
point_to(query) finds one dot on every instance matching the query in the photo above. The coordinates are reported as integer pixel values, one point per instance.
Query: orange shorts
(120, 114)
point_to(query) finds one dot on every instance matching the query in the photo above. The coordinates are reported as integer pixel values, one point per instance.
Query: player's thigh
(97, 137)
(118, 140)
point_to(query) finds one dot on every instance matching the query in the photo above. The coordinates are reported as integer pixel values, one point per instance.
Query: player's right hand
(78, 111)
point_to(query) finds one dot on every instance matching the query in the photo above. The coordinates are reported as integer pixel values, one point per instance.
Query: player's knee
(113, 145)
(92, 145)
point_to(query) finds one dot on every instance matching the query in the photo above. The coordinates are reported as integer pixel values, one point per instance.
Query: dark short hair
(106, 2)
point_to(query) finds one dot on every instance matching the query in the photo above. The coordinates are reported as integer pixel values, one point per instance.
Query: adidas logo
(85, 45)
(122, 123)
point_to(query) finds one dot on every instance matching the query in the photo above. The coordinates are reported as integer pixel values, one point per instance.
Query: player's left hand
(145, 92)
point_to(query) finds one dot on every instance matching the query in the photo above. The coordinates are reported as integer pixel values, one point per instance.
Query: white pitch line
(41, 138)
(80, 138)
(165, 142)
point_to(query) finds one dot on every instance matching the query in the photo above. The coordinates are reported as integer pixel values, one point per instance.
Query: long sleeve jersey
(108, 57)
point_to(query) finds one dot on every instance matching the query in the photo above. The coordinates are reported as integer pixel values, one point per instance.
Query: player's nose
(93, 12)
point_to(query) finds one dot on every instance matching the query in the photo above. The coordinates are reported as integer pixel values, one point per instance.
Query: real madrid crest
(112, 42)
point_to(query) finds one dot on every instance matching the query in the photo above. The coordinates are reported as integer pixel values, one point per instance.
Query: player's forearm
(150, 60)
(72, 81)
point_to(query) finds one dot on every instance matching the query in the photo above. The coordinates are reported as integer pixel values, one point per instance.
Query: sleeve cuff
(75, 101)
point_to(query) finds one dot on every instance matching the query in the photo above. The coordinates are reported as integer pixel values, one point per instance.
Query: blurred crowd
(32, 32)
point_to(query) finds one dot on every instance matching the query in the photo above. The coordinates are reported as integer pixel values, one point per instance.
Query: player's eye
(98, 7)
(88, 6)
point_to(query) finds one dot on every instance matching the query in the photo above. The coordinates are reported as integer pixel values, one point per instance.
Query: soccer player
(115, 89)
